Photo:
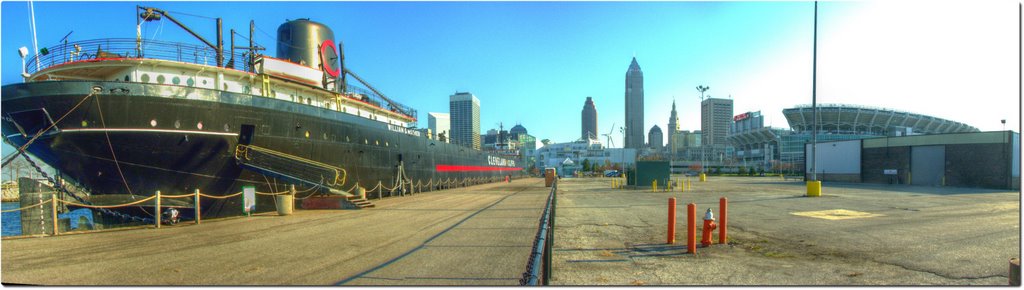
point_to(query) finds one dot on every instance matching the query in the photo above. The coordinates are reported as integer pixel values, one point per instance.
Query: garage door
(927, 165)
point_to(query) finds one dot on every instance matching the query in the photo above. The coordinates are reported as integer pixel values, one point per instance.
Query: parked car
(612, 173)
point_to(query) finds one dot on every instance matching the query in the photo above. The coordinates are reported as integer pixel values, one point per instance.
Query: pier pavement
(478, 235)
(854, 234)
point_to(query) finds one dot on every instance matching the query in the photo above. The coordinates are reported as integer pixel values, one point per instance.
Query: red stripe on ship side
(449, 168)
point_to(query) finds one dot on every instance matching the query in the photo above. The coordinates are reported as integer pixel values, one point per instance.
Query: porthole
(145, 78)
(199, 125)
(152, 123)
(247, 90)
(85, 123)
(376, 142)
(367, 142)
(191, 82)
(204, 82)
(160, 79)
(227, 128)
(347, 140)
(176, 80)
(177, 124)
(386, 144)
(308, 100)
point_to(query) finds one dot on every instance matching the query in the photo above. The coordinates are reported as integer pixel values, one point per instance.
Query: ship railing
(128, 48)
(538, 266)
(378, 101)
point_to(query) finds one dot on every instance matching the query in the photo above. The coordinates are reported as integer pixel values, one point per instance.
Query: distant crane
(611, 143)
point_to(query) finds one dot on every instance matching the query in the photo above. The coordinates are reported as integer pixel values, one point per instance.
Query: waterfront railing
(538, 266)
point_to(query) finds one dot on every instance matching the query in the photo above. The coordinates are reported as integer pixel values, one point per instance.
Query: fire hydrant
(709, 228)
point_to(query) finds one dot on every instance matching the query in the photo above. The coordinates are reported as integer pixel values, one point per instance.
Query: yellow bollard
(654, 186)
(157, 214)
(53, 208)
(197, 207)
(703, 177)
(813, 188)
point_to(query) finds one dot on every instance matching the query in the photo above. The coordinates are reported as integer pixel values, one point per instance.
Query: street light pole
(814, 97)
(703, 134)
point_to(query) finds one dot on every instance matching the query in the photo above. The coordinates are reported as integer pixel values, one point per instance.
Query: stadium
(861, 120)
(783, 150)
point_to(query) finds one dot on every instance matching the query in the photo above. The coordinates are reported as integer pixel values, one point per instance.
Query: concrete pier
(478, 235)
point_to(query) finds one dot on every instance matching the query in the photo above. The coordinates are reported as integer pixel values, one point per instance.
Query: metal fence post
(53, 208)
(197, 207)
(157, 208)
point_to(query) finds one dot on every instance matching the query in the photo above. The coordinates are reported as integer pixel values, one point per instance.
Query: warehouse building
(977, 160)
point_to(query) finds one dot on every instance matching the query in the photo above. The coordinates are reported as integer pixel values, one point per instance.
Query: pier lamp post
(703, 153)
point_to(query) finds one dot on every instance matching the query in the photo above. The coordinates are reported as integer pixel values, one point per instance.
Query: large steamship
(134, 116)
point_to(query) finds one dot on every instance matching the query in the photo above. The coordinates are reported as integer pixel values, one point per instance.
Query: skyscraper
(464, 108)
(634, 106)
(439, 123)
(673, 129)
(656, 137)
(715, 120)
(589, 130)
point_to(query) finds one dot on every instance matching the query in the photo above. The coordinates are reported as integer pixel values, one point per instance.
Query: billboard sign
(741, 117)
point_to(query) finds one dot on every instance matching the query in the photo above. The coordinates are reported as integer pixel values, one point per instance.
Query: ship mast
(150, 14)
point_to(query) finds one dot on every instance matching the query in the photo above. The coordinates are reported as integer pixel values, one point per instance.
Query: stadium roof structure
(853, 119)
(757, 136)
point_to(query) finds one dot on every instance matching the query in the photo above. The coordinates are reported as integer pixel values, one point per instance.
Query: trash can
(285, 204)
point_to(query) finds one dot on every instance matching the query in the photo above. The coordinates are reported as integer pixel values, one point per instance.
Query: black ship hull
(177, 139)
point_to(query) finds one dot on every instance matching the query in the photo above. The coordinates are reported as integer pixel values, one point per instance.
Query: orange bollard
(671, 220)
(691, 228)
(723, 210)
(709, 227)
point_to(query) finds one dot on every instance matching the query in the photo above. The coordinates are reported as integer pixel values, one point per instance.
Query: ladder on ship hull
(296, 169)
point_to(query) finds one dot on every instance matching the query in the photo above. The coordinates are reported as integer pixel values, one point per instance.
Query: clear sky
(535, 63)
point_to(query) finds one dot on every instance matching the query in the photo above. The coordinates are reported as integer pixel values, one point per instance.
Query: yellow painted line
(836, 214)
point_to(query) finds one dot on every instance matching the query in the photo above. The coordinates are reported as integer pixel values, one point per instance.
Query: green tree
(742, 171)
(586, 165)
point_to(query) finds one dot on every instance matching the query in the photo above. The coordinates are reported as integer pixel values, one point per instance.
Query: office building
(634, 106)
(673, 130)
(464, 108)
(589, 130)
(655, 137)
(715, 121)
(439, 124)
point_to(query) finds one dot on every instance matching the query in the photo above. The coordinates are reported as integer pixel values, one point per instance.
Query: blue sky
(535, 63)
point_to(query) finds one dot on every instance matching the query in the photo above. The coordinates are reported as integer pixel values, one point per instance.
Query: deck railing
(73, 51)
(109, 48)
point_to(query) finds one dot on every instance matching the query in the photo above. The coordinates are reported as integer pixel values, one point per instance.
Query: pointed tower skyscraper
(589, 130)
(673, 128)
(634, 106)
